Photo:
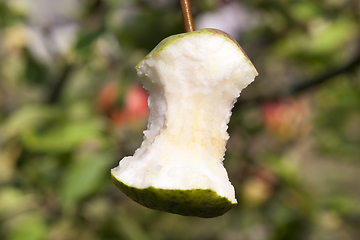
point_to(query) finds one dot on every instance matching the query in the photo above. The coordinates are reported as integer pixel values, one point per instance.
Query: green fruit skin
(203, 203)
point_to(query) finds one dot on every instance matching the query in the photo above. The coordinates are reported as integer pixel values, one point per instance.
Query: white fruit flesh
(193, 83)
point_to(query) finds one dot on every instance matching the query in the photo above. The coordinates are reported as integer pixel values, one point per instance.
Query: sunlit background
(71, 106)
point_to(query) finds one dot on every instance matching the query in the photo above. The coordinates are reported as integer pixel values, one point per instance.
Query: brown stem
(187, 16)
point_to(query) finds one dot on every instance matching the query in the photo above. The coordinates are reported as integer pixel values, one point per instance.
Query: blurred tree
(71, 107)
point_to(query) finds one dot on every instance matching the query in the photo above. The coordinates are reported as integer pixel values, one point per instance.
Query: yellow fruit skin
(203, 203)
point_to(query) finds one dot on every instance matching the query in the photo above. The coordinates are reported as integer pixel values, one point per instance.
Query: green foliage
(83, 179)
(294, 160)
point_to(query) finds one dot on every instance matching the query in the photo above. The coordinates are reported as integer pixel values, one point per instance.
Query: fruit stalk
(187, 15)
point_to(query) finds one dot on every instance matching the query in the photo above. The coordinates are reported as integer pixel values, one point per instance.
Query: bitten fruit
(193, 80)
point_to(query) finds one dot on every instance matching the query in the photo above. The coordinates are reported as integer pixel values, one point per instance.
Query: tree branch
(91, 12)
(306, 85)
(327, 76)
(59, 84)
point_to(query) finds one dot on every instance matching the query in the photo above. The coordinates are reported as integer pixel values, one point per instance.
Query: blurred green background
(71, 107)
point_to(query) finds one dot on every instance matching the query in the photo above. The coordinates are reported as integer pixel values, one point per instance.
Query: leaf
(329, 37)
(26, 118)
(83, 179)
(13, 201)
(131, 229)
(62, 138)
(35, 71)
(31, 226)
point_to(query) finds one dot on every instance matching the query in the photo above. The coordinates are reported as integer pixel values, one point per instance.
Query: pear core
(193, 80)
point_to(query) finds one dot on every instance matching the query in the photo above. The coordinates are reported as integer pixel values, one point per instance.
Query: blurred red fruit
(107, 97)
(136, 102)
(288, 118)
(135, 105)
